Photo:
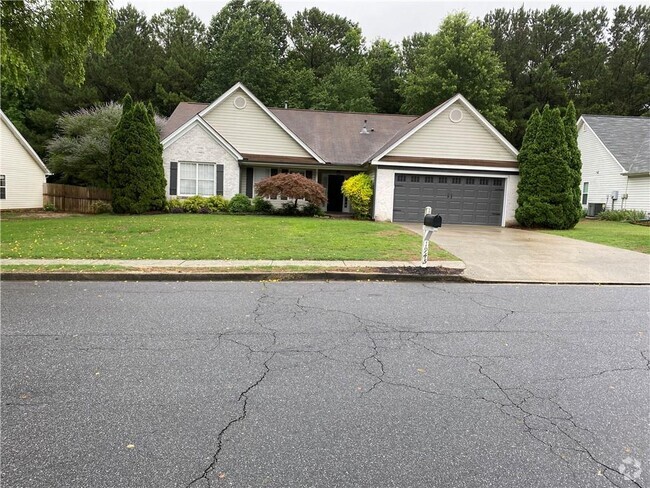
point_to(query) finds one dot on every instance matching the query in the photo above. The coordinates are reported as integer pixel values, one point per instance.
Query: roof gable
(197, 121)
(23, 142)
(627, 139)
(251, 127)
(434, 135)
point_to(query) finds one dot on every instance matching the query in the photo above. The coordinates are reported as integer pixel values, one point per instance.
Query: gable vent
(456, 115)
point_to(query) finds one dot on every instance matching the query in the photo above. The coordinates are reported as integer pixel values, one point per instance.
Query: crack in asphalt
(242, 416)
(557, 432)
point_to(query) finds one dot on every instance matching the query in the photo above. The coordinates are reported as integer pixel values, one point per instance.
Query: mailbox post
(430, 225)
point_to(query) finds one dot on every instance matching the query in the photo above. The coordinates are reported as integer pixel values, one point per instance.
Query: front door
(334, 195)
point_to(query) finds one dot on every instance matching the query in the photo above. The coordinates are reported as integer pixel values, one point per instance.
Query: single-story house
(22, 173)
(615, 162)
(450, 158)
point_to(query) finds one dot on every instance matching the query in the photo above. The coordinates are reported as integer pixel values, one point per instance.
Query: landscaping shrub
(175, 206)
(218, 203)
(49, 207)
(575, 163)
(622, 215)
(101, 208)
(546, 198)
(294, 186)
(135, 174)
(311, 210)
(262, 206)
(196, 204)
(358, 189)
(240, 204)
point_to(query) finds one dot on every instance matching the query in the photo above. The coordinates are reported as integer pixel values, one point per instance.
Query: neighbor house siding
(196, 145)
(600, 170)
(441, 138)
(24, 177)
(251, 130)
(638, 190)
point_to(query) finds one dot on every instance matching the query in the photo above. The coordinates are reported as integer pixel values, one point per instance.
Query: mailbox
(434, 221)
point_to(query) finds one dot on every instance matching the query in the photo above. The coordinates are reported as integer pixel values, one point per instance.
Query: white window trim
(3, 185)
(583, 194)
(196, 163)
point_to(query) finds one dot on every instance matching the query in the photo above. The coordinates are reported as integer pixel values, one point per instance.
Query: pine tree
(545, 198)
(574, 161)
(136, 174)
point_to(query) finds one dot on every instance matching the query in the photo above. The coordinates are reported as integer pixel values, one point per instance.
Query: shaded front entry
(334, 195)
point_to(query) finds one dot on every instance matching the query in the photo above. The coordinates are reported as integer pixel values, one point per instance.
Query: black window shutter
(219, 179)
(274, 171)
(249, 182)
(309, 173)
(173, 177)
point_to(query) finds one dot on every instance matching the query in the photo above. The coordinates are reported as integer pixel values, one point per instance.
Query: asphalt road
(324, 385)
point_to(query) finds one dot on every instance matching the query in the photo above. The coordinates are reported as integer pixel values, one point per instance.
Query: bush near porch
(196, 236)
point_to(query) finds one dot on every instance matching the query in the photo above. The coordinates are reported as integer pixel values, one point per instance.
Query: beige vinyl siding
(638, 191)
(251, 130)
(600, 170)
(467, 139)
(24, 177)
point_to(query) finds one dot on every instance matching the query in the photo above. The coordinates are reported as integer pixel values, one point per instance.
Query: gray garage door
(459, 199)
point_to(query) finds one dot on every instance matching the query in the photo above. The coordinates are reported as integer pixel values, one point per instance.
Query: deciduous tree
(458, 59)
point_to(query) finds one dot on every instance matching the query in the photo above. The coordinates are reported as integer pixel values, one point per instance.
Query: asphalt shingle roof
(335, 136)
(627, 138)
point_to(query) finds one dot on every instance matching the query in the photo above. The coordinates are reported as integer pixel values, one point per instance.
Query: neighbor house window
(585, 192)
(197, 179)
(3, 187)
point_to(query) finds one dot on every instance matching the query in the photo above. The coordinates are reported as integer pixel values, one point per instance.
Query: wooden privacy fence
(69, 198)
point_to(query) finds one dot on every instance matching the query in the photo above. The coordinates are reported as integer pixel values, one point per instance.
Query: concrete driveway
(502, 254)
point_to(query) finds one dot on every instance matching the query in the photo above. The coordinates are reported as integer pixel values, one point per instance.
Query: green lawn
(615, 234)
(190, 236)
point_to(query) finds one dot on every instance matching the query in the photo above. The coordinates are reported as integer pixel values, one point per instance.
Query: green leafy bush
(175, 206)
(622, 215)
(262, 205)
(101, 207)
(217, 203)
(49, 207)
(240, 204)
(311, 210)
(358, 189)
(196, 204)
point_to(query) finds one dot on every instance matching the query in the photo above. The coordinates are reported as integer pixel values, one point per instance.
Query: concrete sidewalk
(179, 263)
(497, 254)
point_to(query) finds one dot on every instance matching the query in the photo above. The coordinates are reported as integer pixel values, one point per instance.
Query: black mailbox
(431, 220)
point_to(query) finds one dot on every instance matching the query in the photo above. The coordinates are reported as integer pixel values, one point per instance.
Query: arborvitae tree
(527, 147)
(545, 198)
(136, 174)
(574, 161)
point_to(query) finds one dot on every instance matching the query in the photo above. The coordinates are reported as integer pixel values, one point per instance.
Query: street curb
(252, 276)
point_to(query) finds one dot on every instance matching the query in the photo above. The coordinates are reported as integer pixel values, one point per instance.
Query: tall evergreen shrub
(546, 198)
(136, 175)
(574, 161)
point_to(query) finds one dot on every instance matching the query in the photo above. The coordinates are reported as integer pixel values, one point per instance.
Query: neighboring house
(615, 162)
(22, 173)
(450, 158)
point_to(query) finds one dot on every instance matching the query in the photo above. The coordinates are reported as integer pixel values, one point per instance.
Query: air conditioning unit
(594, 209)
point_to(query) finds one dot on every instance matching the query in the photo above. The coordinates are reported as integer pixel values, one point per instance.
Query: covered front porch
(330, 178)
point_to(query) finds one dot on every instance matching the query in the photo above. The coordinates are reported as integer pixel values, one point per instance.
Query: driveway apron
(502, 254)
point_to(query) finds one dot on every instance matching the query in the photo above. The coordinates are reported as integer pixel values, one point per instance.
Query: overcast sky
(392, 19)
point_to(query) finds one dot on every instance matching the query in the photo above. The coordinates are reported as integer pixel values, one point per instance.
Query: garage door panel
(460, 200)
